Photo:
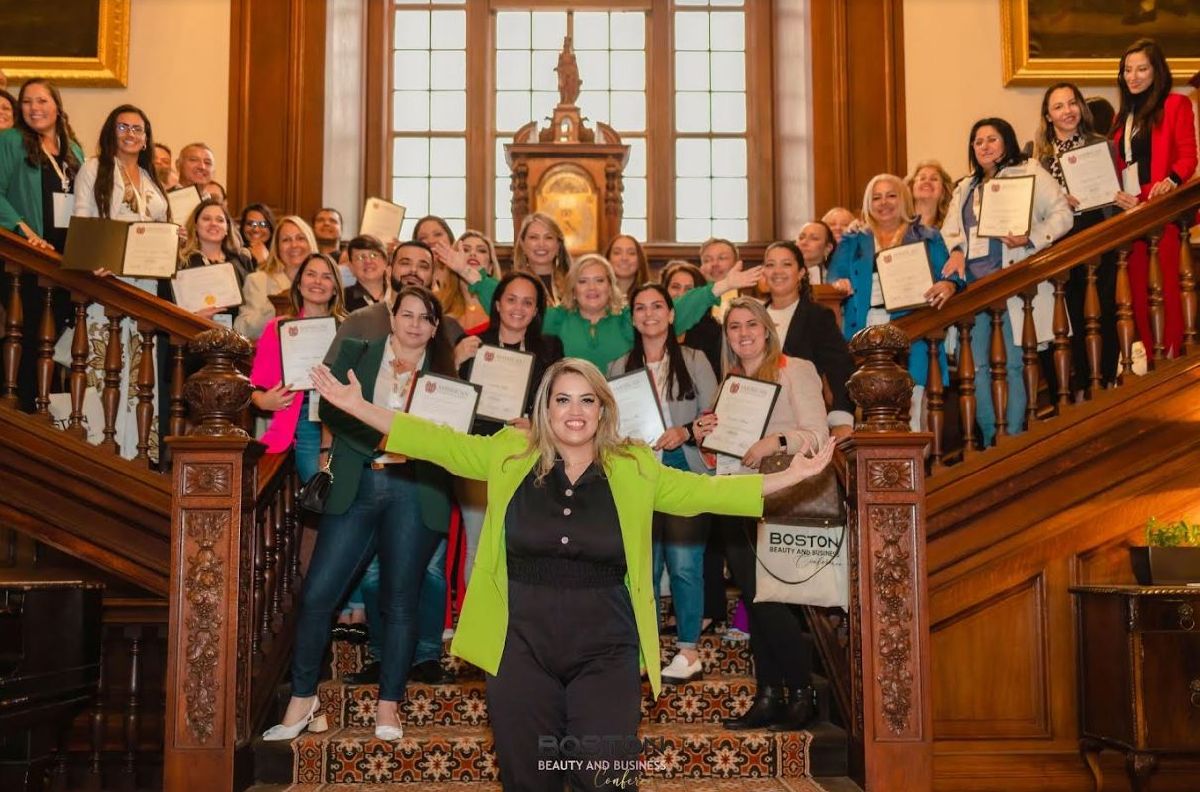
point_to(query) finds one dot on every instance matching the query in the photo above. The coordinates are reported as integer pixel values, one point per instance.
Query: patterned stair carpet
(448, 743)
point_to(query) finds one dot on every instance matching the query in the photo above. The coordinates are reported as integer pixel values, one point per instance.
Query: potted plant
(1171, 555)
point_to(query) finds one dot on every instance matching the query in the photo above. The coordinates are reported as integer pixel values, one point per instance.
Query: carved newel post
(212, 520)
(891, 728)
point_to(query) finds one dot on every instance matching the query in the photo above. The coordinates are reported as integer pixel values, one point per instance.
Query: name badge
(1129, 179)
(64, 207)
(728, 465)
(979, 247)
(314, 406)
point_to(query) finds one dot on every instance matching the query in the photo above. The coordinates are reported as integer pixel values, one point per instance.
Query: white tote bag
(802, 565)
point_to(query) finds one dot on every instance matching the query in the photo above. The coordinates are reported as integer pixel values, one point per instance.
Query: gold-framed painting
(72, 42)
(1045, 41)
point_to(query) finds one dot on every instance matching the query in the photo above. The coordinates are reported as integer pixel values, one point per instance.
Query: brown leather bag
(817, 501)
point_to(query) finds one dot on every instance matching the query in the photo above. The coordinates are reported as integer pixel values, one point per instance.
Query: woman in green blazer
(377, 502)
(560, 608)
(39, 159)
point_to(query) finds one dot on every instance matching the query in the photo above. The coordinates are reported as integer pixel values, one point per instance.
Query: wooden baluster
(278, 559)
(79, 361)
(288, 545)
(95, 776)
(14, 332)
(297, 530)
(1062, 342)
(110, 397)
(1029, 357)
(178, 408)
(1124, 300)
(259, 624)
(45, 361)
(133, 708)
(145, 393)
(270, 533)
(998, 358)
(59, 775)
(935, 401)
(1158, 318)
(966, 387)
(1091, 330)
(1187, 287)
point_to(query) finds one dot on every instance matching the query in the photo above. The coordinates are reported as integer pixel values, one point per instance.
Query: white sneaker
(679, 670)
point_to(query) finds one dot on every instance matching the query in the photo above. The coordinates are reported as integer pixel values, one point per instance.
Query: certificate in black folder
(135, 250)
(743, 409)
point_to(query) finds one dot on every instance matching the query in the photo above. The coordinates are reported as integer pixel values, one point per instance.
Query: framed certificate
(1091, 175)
(904, 276)
(381, 219)
(302, 345)
(211, 286)
(505, 378)
(639, 414)
(183, 202)
(743, 408)
(1006, 208)
(443, 400)
(135, 250)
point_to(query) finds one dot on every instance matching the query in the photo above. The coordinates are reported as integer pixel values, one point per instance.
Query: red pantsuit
(1172, 152)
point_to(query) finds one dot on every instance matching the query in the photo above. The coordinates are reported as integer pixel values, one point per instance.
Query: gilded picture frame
(1044, 41)
(72, 42)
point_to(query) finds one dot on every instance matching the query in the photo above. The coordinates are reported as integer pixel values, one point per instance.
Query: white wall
(178, 75)
(952, 77)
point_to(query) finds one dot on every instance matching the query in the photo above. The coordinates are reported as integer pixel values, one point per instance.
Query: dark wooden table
(1139, 674)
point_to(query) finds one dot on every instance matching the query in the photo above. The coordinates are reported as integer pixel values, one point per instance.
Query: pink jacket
(266, 373)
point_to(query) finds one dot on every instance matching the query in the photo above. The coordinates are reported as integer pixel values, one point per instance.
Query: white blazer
(1052, 219)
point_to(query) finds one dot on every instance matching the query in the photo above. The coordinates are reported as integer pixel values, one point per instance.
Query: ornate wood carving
(204, 581)
(219, 392)
(209, 479)
(892, 577)
(881, 388)
(890, 474)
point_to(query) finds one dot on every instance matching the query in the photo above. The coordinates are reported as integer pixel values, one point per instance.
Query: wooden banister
(1057, 259)
(891, 718)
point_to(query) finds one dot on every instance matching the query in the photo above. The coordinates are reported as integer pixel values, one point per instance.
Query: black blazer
(814, 336)
(356, 297)
(706, 337)
(546, 352)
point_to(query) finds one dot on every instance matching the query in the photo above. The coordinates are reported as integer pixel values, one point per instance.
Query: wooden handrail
(1059, 258)
(130, 301)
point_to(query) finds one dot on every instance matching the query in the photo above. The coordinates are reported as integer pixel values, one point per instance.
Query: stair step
(649, 785)
(717, 655)
(436, 754)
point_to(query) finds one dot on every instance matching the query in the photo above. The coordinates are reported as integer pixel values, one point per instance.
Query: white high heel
(389, 733)
(313, 722)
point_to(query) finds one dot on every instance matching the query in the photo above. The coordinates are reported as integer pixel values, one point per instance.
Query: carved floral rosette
(219, 391)
(881, 387)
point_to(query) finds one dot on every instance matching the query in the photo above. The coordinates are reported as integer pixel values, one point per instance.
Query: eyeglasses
(257, 224)
(131, 129)
(366, 255)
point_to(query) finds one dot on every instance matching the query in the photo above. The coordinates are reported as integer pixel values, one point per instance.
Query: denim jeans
(985, 413)
(384, 517)
(308, 444)
(679, 545)
(431, 608)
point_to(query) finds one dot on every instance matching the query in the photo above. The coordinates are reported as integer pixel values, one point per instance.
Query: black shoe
(369, 675)
(430, 672)
(800, 710)
(768, 707)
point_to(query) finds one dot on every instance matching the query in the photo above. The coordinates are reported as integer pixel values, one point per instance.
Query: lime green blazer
(640, 486)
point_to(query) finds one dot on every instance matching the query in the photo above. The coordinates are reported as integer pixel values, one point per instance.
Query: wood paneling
(276, 104)
(857, 97)
(1007, 694)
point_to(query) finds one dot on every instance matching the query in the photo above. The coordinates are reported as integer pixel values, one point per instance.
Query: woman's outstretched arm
(348, 398)
(802, 467)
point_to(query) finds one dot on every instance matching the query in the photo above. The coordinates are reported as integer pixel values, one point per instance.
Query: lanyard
(62, 177)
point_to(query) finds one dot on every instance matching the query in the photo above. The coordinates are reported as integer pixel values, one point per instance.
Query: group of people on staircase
(568, 530)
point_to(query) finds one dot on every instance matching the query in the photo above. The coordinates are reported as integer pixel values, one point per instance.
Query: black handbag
(314, 494)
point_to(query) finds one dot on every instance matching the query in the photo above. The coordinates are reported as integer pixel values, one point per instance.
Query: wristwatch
(783, 443)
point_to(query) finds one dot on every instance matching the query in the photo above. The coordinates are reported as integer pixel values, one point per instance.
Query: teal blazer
(21, 184)
(355, 443)
(640, 486)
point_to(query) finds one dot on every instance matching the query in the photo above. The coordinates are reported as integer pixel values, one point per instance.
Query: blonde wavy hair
(562, 262)
(607, 442)
(273, 264)
(947, 188)
(450, 294)
(616, 299)
(906, 199)
(768, 370)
